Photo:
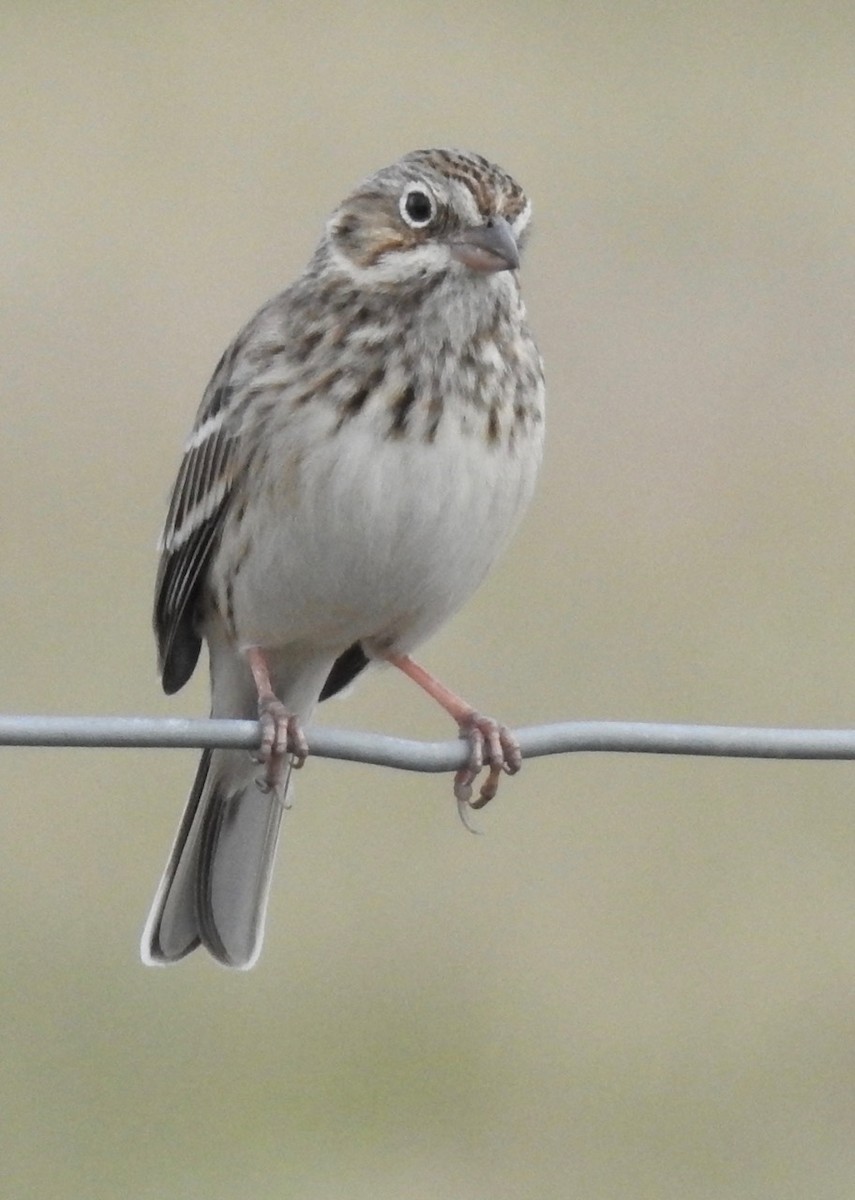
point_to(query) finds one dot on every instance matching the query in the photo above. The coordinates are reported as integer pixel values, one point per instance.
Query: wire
(628, 737)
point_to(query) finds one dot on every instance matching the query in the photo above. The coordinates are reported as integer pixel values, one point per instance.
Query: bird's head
(429, 213)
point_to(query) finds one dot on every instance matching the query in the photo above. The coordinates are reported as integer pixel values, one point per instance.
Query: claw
(463, 807)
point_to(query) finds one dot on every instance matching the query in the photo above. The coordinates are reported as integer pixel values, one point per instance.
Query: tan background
(641, 981)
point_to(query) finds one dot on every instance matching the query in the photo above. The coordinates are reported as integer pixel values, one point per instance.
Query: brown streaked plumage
(362, 453)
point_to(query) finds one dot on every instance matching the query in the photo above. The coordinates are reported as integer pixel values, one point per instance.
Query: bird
(363, 452)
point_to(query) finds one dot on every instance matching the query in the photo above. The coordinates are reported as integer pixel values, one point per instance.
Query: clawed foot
(282, 739)
(491, 745)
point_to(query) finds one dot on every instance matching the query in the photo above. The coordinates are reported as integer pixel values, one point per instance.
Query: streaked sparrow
(362, 453)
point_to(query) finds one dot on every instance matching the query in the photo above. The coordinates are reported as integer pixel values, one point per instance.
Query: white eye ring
(417, 206)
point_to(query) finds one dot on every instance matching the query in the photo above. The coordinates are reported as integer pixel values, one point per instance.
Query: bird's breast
(379, 526)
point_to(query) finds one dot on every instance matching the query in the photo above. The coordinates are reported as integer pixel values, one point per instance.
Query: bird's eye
(417, 206)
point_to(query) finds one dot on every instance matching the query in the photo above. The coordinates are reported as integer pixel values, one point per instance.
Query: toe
(463, 786)
(473, 734)
(511, 752)
(489, 787)
(297, 745)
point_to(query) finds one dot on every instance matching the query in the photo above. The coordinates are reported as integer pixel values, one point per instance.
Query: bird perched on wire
(361, 455)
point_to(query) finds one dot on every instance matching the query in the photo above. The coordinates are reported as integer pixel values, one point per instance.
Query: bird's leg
(490, 743)
(281, 733)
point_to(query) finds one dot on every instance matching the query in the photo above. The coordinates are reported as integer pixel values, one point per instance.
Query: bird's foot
(283, 744)
(491, 745)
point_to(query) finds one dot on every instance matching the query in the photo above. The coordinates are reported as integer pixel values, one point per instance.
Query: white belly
(377, 540)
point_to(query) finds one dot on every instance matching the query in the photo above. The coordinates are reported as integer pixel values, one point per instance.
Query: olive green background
(640, 982)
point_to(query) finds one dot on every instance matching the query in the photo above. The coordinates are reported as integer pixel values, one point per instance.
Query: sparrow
(362, 454)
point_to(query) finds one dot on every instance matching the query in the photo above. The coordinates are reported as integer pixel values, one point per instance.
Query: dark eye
(417, 206)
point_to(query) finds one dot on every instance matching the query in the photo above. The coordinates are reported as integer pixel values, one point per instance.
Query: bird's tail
(214, 889)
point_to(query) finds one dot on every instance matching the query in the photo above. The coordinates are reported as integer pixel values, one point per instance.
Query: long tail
(214, 889)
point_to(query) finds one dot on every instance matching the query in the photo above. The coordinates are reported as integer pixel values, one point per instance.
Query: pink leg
(281, 733)
(489, 742)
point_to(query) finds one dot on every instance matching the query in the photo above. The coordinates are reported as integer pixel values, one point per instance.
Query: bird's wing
(201, 497)
(197, 506)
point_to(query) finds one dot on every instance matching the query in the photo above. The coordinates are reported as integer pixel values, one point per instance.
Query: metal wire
(629, 737)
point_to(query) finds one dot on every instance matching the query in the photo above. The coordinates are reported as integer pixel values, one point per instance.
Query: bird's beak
(488, 247)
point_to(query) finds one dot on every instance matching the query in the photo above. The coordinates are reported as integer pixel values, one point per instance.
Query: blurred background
(641, 980)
